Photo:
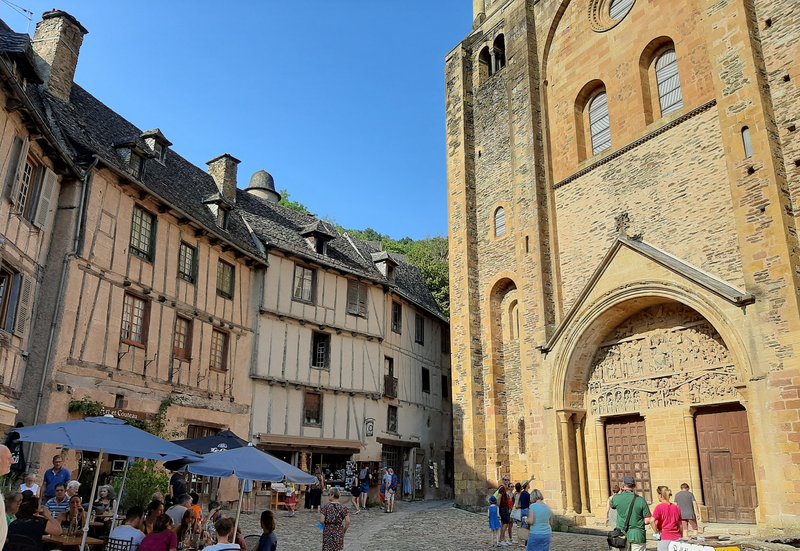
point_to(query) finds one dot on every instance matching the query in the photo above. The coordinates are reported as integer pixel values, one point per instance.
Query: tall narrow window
(397, 317)
(484, 64)
(600, 123)
(357, 298)
(182, 342)
(669, 82)
(521, 435)
(134, 320)
(419, 329)
(225, 279)
(445, 387)
(187, 262)
(500, 222)
(143, 236)
(391, 419)
(426, 380)
(747, 142)
(312, 408)
(219, 350)
(303, 284)
(320, 350)
(499, 52)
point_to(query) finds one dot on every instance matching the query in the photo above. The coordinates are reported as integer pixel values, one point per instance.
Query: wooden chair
(114, 544)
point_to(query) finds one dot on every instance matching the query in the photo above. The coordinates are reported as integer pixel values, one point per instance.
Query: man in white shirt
(132, 529)
(30, 484)
(177, 511)
(225, 535)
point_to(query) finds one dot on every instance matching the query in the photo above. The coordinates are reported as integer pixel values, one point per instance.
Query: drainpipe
(87, 181)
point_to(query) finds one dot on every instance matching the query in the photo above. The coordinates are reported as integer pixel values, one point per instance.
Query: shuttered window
(600, 123)
(620, 8)
(16, 301)
(397, 317)
(47, 196)
(500, 222)
(357, 298)
(669, 82)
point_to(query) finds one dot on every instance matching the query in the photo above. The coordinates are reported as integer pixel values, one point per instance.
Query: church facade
(623, 186)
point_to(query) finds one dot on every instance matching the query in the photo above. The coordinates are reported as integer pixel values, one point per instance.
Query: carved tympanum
(663, 356)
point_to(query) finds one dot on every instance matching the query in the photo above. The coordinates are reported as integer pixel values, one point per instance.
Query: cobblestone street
(413, 526)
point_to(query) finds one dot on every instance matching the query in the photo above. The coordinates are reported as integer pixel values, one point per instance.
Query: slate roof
(89, 127)
(17, 46)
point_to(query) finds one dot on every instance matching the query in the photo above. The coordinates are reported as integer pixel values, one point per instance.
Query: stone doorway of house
(726, 464)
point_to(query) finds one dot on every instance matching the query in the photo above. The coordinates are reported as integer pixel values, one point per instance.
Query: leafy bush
(144, 479)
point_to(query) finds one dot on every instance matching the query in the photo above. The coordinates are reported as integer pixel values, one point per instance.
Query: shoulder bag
(617, 538)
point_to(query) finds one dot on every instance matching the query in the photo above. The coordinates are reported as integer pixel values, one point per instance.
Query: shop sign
(124, 414)
(369, 425)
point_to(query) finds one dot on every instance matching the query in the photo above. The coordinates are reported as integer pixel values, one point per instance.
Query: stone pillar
(583, 482)
(693, 456)
(602, 457)
(564, 418)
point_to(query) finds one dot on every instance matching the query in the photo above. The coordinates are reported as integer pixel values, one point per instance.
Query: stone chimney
(223, 169)
(57, 43)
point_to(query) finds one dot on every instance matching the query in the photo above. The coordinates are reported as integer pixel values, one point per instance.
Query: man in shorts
(391, 489)
(690, 510)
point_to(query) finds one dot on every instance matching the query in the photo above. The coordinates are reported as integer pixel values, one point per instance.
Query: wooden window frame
(190, 277)
(145, 320)
(312, 283)
(184, 353)
(396, 416)
(9, 297)
(357, 298)
(419, 329)
(397, 317)
(500, 222)
(307, 420)
(315, 336)
(27, 190)
(134, 249)
(225, 351)
(221, 292)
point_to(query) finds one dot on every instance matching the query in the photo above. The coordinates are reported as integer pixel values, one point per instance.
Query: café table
(71, 541)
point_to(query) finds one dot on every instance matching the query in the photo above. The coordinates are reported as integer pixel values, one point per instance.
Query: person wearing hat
(494, 521)
(628, 501)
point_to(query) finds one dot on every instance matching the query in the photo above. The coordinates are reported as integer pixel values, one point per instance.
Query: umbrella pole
(238, 513)
(91, 500)
(119, 497)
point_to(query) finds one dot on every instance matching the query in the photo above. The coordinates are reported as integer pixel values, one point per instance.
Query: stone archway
(644, 374)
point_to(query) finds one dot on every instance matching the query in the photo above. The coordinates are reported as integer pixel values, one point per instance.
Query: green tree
(294, 205)
(143, 480)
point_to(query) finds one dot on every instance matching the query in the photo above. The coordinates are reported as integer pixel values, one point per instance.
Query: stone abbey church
(624, 191)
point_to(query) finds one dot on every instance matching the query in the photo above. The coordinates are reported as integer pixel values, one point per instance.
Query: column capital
(564, 415)
(579, 415)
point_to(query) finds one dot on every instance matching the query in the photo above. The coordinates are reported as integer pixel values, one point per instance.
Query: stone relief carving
(665, 355)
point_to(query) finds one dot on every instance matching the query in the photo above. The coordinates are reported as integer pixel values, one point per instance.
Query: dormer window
(317, 236)
(385, 264)
(158, 143)
(133, 154)
(222, 217)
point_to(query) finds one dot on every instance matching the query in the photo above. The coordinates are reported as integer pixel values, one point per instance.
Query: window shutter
(13, 300)
(45, 198)
(13, 166)
(362, 300)
(352, 296)
(153, 231)
(23, 306)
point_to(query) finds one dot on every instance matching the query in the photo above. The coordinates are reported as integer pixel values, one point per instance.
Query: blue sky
(342, 101)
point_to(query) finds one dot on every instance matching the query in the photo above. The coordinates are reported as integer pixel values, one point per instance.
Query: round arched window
(500, 222)
(619, 8)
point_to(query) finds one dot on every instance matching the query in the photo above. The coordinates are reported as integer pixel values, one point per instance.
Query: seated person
(177, 511)
(132, 529)
(163, 537)
(75, 516)
(59, 504)
(105, 500)
(225, 536)
(29, 527)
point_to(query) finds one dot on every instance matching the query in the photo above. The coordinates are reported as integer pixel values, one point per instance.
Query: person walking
(314, 495)
(541, 519)
(335, 519)
(364, 477)
(494, 521)
(627, 500)
(666, 519)
(611, 514)
(391, 490)
(384, 486)
(355, 493)
(523, 532)
(690, 510)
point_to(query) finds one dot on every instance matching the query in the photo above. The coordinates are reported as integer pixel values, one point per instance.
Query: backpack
(394, 482)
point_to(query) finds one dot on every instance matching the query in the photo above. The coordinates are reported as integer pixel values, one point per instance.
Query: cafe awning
(301, 443)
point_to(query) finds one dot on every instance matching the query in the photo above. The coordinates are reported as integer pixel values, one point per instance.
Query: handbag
(516, 515)
(617, 538)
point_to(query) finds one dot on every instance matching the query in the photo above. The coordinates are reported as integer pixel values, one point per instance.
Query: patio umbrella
(225, 440)
(248, 463)
(104, 435)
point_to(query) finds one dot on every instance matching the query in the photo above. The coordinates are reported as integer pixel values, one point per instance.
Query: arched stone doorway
(644, 399)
